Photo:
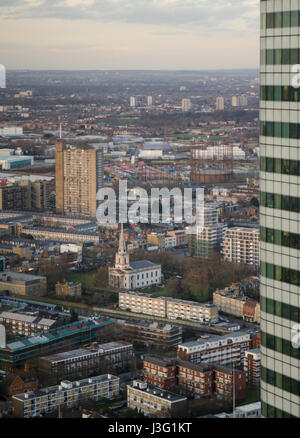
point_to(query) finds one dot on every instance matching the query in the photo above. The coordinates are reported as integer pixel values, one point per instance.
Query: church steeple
(122, 256)
(122, 244)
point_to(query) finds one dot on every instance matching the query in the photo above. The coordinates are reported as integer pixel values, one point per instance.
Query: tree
(74, 316)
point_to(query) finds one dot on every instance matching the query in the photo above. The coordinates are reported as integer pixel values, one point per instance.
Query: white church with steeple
(134, 275)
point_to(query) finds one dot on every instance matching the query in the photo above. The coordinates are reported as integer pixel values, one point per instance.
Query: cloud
(217, 15)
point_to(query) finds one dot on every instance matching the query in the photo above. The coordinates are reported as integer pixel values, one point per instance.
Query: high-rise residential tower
(209, 232)
(186, 105)
(133, 101)
(149, 100)
(79, 176)
(220, 103)
(280, 209)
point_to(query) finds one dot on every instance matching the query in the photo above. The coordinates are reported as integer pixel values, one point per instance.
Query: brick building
(151, 333)
(155, 402)
(86, 361)
(160, 373)
(25, 325)
(193, 380)
(223, 380)
(23, 284)
(69, 289)
(18, 382)
(233, 301)
(252, 366)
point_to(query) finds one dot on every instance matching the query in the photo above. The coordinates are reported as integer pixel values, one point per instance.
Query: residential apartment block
(154, 402)
(252, 366)
(61, 235)
(223, 350)
(86, 361)
(35, 403)
(224, 383)
(233, 301)
(79, 176)
(27, 195)
(193, 380)
(209, 232)
(170, 308)
(25, 325)
(16, 353)
(162, 240)
(161, 373)
(151, 333)
(241, 245)
(182, 238)
(14, 197)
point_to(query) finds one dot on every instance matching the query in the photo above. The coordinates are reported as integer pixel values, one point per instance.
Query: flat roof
(56, 333)
(20, 276)
(81, 352)
(249, 407)
(161, 393)
(212, 339)
(53, 389)
(27, 318)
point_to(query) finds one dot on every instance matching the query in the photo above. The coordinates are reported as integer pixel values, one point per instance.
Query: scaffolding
(211, 163)
(159, 174)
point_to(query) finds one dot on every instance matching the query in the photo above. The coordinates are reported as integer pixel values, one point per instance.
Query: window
(286, 19)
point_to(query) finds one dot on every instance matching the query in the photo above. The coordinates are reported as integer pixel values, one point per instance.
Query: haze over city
(130, 34)
(149, 212)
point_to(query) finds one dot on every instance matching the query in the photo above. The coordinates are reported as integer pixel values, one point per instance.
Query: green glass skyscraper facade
(280, 208)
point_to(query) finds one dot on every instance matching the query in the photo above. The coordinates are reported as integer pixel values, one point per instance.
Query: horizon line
(130, 69)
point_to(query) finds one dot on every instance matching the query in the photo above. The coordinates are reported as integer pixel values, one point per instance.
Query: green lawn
(80, 276)
(154, 290)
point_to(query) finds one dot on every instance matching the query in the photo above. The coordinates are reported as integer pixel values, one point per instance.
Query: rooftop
(13, 277)
(27, 318)
(166, 395)
(64, 386)
(143, 264)
(60, 332)
(213, 339)
(81, 352)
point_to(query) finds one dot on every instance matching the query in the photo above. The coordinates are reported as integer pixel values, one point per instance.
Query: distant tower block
(2, 336)
(211, 164)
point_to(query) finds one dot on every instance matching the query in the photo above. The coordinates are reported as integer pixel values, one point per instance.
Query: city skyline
(38, 34)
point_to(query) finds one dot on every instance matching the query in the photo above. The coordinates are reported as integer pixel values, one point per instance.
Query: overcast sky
(129, 34)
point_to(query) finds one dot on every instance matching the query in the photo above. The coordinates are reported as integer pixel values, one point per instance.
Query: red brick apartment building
(192, 380)
(195, 380)
(160, 373)
(223, 379)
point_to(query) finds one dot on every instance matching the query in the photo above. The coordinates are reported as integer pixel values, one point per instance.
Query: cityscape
(149, 233)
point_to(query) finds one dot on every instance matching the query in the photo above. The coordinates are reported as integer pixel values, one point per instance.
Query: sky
(129, 34)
